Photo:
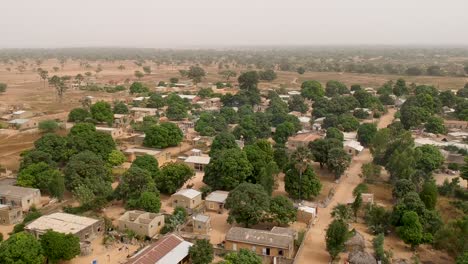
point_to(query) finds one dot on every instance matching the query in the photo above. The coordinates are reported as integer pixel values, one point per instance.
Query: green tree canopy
(163, 136)
(201, 252)
(243, 256)
(138, 87)
(120, 108)
(21, 248)
(337, 234)
(58, 246)
(148, 163)
(102, 112)
(222, 141)
(172, 177)
(312, 90)
(309, 186)
(282, 210)
(248, 204)
(411, 232)
(78, 115)
(366, 133)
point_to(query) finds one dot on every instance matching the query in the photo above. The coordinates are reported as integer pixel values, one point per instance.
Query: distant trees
(59, 84)
(227, 74)
(147, 69)
(102, 112)
(334, 88)
(301, 70)
(43, 74)
(138, 74)
(163, 135)
(138, 87)
(268, 75)
(195, 73)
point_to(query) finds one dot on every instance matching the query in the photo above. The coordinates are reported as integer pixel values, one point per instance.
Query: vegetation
(201, 252)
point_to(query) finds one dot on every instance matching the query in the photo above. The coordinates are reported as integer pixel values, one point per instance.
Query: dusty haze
(211, 23)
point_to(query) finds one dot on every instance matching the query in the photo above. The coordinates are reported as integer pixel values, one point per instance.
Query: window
(266, 251)
(254, 248)
(234, 246)
(280, 252)
(159, 223)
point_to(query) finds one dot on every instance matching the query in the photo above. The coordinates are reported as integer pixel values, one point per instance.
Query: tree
(58, 246)
(3, 87)
(356, 205)
(230, 115)
(78, 115)
(163, 135)
(296, 103)
(42, 176)
(222, 141)
(378, 219)
(249, 93)
(201, 252)
(341, 212)
(120, 108)
(260, 156)
(148, 201)
(282, 210)
(464, 169)
(320, 148)
(333, 132)
(411, 232)
(48, 126)
(366, 133)
(148, 163)
(338, 161)
(196, 74)
(301, 70)
(133, 182)
(177, 109)
(243, 256)
(337, 234)
(156, 101)
(228, 74)
(21, 248)
(35, 156)
(174, 80)
(137, 88)
(448, 98)
(414, 71)
(304, 188)
(247, 203)
(54, 145)
(268, 75)
(228, 169)
(400, 88)
(435, 125)
(138, 74)
(429, 194)
(312, 90)
(334, 88)
(172, 177)
(283, 132)
(83, 136)
(43, 74)
(147, 69)
(428, 158)
(102, 112)
(116, 158)
(402, 188)
(59, 84)
(88, 169)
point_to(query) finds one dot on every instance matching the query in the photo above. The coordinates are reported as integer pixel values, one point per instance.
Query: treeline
(433, 61)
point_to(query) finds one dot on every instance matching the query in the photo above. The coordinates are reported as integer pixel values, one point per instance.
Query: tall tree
(248, 204)
(337, 233)
(21, 248)
(201, 252)
(59, 84)
(58, 247)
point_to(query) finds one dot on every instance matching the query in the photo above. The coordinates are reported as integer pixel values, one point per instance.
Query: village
(157, 166)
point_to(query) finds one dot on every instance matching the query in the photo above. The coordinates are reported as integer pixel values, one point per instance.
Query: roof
(19, 112)
(143, 109)
(294, 93)
(189, 193)
(458, 134)
(353, 144)
(17, 191)
(283, 231)
(356, 240)
(304, 119)
(361, 257)
(170, 249)
(106, 128)
(217, 196)
(349, 135)
(201, 218)
(307, 209)
(198, 159)
(143, 150)
(187, 96)
(62, 223)
(18, 121)
(306, 137)
(259, 237)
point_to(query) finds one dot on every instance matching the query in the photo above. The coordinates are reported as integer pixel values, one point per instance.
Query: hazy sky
(192, 23)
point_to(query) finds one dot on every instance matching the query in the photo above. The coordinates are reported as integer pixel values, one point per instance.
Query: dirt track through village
(314, 248)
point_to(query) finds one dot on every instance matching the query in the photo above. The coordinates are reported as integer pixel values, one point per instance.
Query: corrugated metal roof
(259, 237)
(198, 159)
(189, 193)
(170, 249)
(217, 196)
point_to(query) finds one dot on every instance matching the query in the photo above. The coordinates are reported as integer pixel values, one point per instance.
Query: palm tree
(301, 159)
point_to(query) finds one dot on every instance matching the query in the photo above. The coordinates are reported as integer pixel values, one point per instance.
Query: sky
(222, 23)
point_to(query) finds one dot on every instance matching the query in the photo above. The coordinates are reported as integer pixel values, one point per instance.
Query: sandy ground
(315, 247)
(116, 253)
(440, 178)
(5, 229)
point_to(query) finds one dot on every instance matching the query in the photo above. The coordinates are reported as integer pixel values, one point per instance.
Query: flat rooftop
(189, 193)
(143, 150)
(198, 159)
(17, 191)
(62, 223)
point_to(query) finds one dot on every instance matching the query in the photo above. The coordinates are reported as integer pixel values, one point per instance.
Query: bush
(453, 166)
(48, 126)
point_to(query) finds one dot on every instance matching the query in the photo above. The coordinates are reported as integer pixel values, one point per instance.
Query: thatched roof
(356, 241)
(361, 257)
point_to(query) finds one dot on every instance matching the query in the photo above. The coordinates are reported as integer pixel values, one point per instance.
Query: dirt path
(314, 250)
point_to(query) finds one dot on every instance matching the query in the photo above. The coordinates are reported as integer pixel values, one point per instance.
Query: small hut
(361, 257)
(355, 243)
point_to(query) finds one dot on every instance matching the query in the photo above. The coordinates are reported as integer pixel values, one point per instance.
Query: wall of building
(186, 202)
(11, 216)
(258, 249)
(141, 229)
(214, 206)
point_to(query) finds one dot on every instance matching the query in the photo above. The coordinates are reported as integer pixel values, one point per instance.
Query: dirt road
(314, 250)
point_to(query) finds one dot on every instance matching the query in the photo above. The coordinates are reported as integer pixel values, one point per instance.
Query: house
(458, 124)
(355, 243)
(201, 224)
(21, 114)
(269, 243)
(194, 152)
(84, 228)
(352, 147)
(142, 223)
(301, 140)
(10, 215)
(113, 131)
(20, 196)
(187, 198)
(132, 153)
(305, 122)
(349, 135)
(317, 124)
(367, 198)
(170, 249)
(140, 112)
(292, 93)
(371, 91)
(198, 163)
(306, 214)
(121, 119)
(22, 123)
(215, 201)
